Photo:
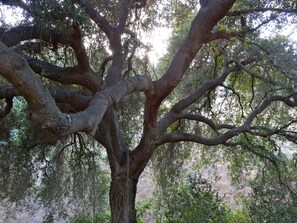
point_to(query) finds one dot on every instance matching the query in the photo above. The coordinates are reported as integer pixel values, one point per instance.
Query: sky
(158, 38)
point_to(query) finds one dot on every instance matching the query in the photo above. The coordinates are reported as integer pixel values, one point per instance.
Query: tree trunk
(122, 198)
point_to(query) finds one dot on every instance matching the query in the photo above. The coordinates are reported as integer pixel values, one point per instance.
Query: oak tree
(223, 84)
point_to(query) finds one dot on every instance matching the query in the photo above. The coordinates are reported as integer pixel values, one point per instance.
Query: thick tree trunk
(122, 199)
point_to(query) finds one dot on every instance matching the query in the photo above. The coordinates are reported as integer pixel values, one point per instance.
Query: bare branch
(256, 10)
(209, 122)
(188, 137)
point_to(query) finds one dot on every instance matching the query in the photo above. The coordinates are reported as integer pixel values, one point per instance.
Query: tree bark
(122, 198)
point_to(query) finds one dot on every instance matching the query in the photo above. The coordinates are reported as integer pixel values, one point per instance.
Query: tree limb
(256, 10)
(123, 15)
(44, 110)
(224, 137)
(172, 115)
(102, 23)
(198, 34)
(69, 75)
(16, 70)
(78, 102)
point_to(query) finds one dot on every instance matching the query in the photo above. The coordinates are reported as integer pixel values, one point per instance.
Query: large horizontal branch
(76, 101)
(70, 75)
(18, 34)
(73, 37)
(224, 137)
(21, 33)
(189, 137)
(44, 111)
(207, 121)
(89, 119)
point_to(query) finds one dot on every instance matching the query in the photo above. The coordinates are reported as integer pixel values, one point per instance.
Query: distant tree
(223, 84)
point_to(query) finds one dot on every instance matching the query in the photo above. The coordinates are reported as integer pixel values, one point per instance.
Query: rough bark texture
(122, 198)
(95, 112)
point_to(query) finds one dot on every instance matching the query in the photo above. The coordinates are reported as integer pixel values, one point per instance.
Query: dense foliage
(84, 109)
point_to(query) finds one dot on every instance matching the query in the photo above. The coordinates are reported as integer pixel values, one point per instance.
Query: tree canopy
(227, 81)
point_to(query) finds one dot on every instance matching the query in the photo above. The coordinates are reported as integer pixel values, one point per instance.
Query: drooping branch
(255, 75)
(207, 121)
(253, 149)
(266, 132)
(224, 137)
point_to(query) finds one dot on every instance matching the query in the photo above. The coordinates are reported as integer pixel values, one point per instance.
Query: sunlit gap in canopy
(157, 40)
(288, 29)
(153, 44)
(10, 17)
